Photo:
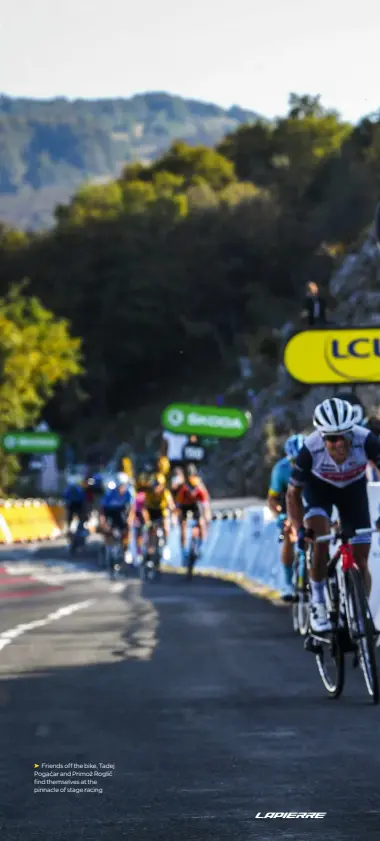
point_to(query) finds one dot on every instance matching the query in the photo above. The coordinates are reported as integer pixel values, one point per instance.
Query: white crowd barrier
(240, 544)
(245, 545)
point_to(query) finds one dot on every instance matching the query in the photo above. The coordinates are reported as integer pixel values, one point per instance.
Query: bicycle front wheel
(301, 605)
(361, 629)
(330, 657)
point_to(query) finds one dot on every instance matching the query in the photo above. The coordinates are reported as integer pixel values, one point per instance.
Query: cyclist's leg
(354, 514)
(200, 524)
(318, 512)
(165, 522)
(183, 529)
(287, 556)
(155, 522)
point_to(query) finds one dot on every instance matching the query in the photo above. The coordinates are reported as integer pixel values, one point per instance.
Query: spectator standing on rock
(314, 308)
(193, 451)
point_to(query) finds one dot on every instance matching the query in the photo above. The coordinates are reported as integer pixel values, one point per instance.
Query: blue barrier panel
(246, 547)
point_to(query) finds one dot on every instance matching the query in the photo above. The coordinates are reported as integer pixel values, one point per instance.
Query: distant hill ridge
(48, 147)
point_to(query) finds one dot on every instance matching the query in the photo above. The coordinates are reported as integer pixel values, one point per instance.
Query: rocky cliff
(285, 406)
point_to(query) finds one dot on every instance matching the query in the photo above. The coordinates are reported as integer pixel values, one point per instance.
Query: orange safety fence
(30, 519)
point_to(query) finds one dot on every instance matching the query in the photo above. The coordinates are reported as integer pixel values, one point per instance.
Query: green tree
(36, 353)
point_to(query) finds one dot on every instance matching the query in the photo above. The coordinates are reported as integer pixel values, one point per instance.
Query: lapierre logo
(290, 815)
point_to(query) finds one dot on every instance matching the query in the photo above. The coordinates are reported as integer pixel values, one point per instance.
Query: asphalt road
(198, 694)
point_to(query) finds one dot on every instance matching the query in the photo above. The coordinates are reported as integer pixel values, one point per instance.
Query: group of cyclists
(136, 506)
(323, 471)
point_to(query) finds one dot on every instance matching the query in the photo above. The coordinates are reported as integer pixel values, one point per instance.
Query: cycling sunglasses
(338, 437)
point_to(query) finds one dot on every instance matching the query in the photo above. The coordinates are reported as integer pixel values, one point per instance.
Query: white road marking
(6, 637)
(50, 571)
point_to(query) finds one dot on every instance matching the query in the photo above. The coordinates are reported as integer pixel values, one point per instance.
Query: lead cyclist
(331, 470)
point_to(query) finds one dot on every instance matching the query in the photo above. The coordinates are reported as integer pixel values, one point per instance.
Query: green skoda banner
(203, 420)
(31, 442)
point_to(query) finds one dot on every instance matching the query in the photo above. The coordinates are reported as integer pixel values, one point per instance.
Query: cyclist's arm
(203, 496)
(300, 473)
(276, 490)
(131, 515)
(274, 502)
(170, 502)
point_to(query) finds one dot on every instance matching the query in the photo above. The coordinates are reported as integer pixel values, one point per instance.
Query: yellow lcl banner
(324, 357)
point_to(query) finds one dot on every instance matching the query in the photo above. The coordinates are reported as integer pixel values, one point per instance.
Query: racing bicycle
(353, 630)
(194, 547)
(114, 556)
(151, 560)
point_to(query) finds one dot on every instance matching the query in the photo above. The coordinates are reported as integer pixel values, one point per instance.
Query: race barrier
(26, 520)
(242, 544)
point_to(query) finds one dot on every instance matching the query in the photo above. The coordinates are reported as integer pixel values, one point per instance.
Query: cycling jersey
(114, 499)
(280, 477)
(74, 494)
(187, 495)
(314, 460)
(139, 502)
(158, 501)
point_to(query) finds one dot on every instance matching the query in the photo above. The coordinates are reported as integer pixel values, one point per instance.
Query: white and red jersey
(314, 459)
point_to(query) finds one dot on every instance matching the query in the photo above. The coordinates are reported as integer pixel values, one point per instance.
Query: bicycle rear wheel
(361, 629)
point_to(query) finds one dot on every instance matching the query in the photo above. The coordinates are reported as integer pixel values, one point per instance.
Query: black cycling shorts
(196, 510)
(116, 518)
(155, 514)
(75, 509)
(351, 502)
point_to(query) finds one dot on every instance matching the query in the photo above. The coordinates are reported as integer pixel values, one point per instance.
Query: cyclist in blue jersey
(116, 502)
(278, 486)
(75, 499)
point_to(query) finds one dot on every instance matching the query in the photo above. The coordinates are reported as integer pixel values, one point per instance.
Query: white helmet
(334, 416)
(122, 479)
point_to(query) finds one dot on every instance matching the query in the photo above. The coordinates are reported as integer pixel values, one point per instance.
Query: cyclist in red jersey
(191, 496)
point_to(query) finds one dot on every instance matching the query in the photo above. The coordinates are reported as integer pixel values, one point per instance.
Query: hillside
(48, 148)
(175, 270)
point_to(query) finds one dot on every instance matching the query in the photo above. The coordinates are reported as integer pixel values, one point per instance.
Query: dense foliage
(49, 147)
(176, 268)
(36, 353)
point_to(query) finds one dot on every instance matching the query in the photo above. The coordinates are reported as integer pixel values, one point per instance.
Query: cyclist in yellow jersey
(159, 503)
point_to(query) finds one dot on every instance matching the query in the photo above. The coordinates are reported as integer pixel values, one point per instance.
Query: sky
(251, 53)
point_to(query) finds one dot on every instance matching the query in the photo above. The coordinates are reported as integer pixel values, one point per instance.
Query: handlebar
(325, 538)
(334, 535)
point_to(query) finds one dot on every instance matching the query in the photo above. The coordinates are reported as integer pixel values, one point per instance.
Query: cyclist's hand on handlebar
(304, 536)
(377, 524)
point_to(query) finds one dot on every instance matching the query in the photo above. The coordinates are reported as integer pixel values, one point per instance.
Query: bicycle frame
(345, 554)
